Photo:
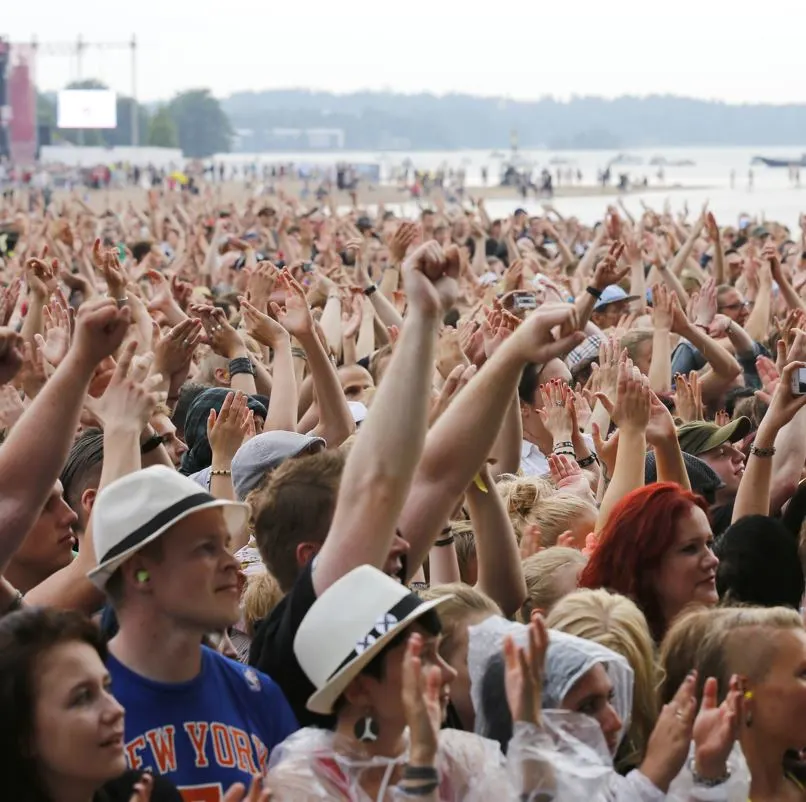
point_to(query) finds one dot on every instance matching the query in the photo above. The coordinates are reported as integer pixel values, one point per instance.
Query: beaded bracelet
(763, 452)
(586, 461)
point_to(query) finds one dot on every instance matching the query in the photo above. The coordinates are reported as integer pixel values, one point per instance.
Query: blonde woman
(534, 507)
(764, 651)
(615, 622)
(550, 574)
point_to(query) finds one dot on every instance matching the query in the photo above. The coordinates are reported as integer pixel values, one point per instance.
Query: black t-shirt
(272, 650)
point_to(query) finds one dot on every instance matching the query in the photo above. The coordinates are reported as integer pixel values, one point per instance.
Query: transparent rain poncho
(314, 765)
(575, 744)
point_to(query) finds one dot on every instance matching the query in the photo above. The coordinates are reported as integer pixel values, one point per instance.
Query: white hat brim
(323, 700)
(235, 514)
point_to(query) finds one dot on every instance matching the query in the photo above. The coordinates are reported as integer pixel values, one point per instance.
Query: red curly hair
(631, 545)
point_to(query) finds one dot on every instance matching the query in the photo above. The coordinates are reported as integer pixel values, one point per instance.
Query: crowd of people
(324, 504)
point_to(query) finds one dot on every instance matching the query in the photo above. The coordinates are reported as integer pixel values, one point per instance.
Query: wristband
(563, 444)
(419, 790)
(421, 773)
(597, 294)
(586, 461)
(704, 781)
(299, 353)
(153, 443)
(444, 541)
(241, 364)
(220, 472)
(763, 452)
(371, 290)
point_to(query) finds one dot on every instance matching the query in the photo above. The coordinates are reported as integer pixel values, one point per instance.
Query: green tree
(162, 129)
(201, 124)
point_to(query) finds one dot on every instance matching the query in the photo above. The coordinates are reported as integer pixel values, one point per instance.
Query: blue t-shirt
(205, 734)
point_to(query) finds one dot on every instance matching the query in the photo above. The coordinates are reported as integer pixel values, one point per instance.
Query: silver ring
(187, 343)
(559, 403)
(679, 714)
(217, 328)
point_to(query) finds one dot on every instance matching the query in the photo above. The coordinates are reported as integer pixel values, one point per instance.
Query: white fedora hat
(138, 508)
(348, 625)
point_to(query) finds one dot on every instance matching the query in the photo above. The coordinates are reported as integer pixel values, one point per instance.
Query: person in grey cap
(257, 457)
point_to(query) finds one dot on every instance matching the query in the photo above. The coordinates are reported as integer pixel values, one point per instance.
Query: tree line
(251, 121)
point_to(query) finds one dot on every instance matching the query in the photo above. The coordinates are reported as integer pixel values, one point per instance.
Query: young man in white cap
(203, 721)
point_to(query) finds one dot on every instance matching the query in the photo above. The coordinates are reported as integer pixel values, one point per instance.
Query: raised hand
(523, 676)
(534, 340)
(8, 300)
(260, 285)
(556, 414)
(661, 426)
(56, 342)
(430, 278)
(39, 276)
(457, 379)
(705, 307)
(662, 309)
(227, 429)
(669, 742)
(568, 476)
(11, 354)
(11, 407)
(606, 450)
(223, 339)
(716, 729)
(173, 351)
(607, 271)
(632, 407)
(263, 328)
(421, 688)
(784, 405)
(688, 397)
(130, 397)
(100, 329)
(295, 316)
(403, 239)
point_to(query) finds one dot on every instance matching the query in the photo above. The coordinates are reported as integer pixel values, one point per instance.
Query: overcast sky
(522, 49)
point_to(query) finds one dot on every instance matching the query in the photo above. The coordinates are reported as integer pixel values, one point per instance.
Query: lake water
(708, 179)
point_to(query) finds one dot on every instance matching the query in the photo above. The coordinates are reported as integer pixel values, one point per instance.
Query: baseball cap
(703, 479)
(363, 223)
(700, 436)
(265, 452)
(611, 295)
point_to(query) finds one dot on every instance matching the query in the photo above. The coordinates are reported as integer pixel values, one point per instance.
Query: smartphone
(799, 382)
(524, 300)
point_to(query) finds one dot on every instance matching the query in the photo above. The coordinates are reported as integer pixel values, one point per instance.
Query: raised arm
(461, 440)
(126, 408)
(607, 272)
(379, 470)
(631, 414)
(500, 573)
(335, 420)
(31, 463)
(754, 495)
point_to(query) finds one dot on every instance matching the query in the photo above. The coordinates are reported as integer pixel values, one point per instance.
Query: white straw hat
(348, 625)
(138, 508)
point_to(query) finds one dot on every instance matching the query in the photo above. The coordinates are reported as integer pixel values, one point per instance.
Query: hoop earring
(366, 729)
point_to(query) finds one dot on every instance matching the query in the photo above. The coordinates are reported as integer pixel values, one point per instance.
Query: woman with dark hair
(656, 548)
(61, 738)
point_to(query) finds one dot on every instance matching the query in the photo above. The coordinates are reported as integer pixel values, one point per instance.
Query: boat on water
(801, 162)
(627, 159)
(662, 161)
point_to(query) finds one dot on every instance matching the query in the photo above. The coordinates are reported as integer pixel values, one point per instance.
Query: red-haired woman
(656, 548)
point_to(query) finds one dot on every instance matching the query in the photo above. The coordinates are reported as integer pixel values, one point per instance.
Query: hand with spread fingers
(608, 271)
(295, 315)
(265, 329)
(523, 676)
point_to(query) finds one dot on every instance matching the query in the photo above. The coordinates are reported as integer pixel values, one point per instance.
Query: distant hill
(384, 120)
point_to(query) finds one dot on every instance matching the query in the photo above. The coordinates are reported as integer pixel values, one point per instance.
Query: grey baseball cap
(265, 452)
